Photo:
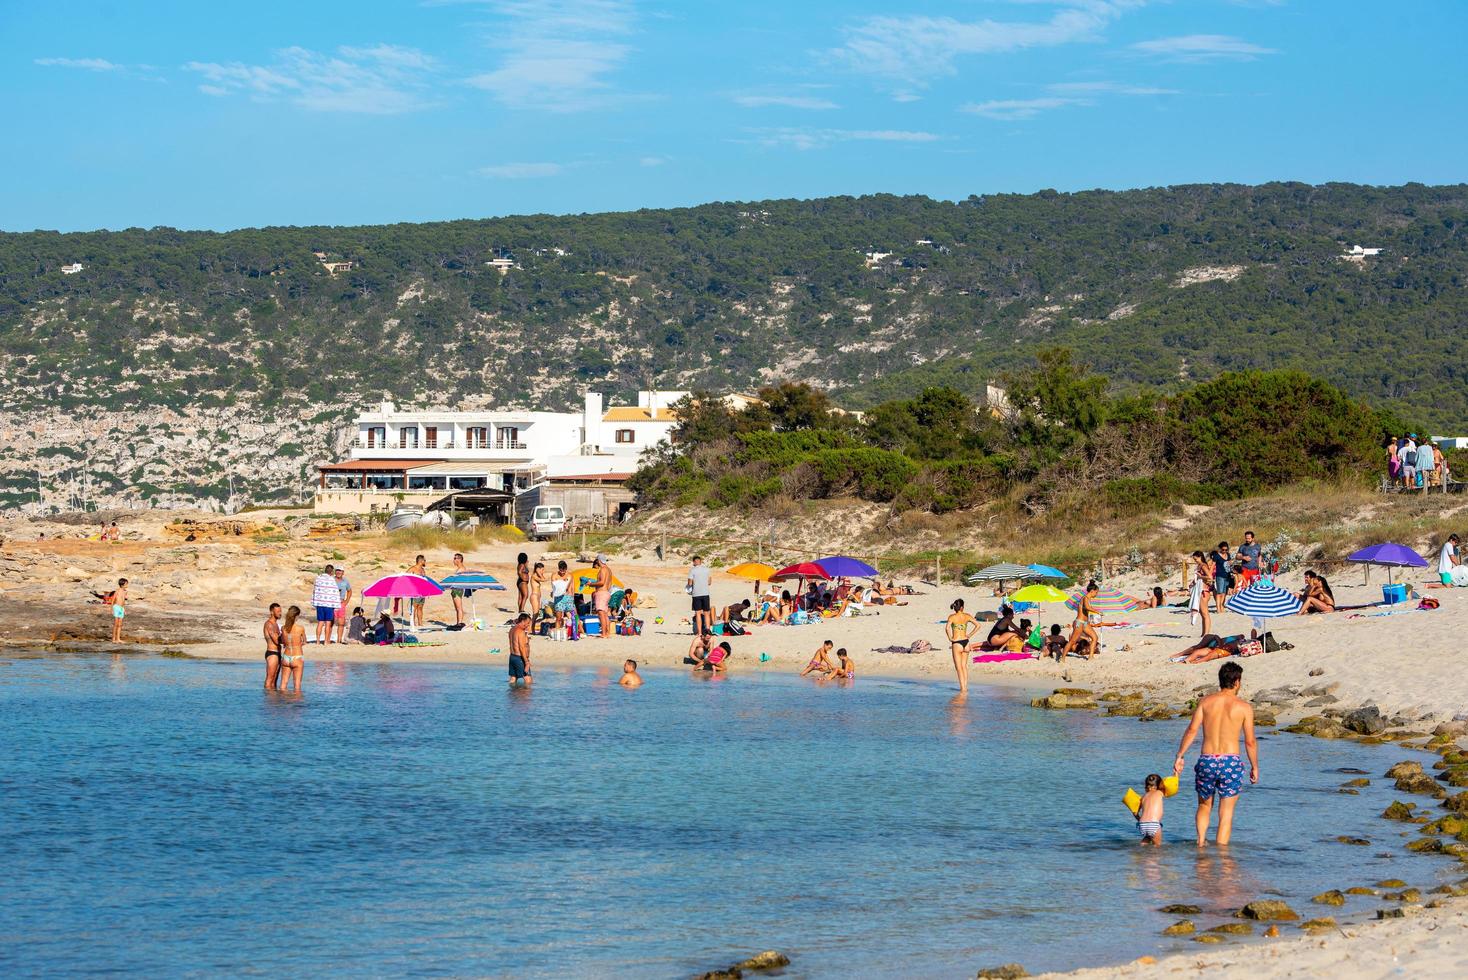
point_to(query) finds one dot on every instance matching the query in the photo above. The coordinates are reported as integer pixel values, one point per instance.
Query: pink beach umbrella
(403, 587)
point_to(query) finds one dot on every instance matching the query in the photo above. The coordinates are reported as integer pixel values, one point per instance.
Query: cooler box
(1393, 594)
(591, 626)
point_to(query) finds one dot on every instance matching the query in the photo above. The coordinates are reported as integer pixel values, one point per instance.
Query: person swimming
(630, 677)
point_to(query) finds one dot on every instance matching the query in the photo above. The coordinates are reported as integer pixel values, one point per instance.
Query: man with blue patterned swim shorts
(1224, 718)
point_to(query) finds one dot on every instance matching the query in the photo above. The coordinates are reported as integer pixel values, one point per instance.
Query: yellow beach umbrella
(755, 571)
(584, 580)
(1039, 593)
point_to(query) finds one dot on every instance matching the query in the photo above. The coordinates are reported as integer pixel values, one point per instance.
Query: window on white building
(509, 437)
(376, 436)
(626, 436)
(408, 437)
(476, 437)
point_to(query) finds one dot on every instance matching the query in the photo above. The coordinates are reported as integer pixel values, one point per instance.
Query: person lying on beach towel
(916, 646)
(1215, 647)
(1004, 632)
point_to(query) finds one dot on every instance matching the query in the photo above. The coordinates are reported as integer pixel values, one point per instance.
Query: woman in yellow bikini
(293, 650)
(960, 628)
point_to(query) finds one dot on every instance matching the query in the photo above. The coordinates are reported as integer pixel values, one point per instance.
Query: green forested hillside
(1150, 287)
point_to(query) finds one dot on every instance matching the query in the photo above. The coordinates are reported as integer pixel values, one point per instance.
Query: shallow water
(166, 816)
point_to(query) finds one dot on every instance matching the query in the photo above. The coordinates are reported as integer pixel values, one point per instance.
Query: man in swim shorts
(520, 651)
(1224, 719)
(326, 597)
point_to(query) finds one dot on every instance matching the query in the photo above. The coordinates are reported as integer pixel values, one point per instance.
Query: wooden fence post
(937, 570)
(583, 540)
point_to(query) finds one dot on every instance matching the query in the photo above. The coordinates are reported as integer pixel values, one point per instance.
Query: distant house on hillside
(1358, 254)
(335, 267)
(503, 264)
(71, 270)
(875, 259)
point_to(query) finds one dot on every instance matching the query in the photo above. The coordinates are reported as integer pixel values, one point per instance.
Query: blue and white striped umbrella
(1263, 600)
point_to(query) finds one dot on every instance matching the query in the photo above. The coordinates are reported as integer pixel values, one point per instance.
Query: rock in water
(1458, 803)
(1403, 769)
(1391, 883)
(1420, 782)
(1268, 910)
(1361, 890)
(1315, 925)
(1205, 938)
(768, 960)
(1332, 897)
(1184, 927)
(1009, 971)
(1399, 810)
(1181, 909)
(1234, 929)
(1365, 721)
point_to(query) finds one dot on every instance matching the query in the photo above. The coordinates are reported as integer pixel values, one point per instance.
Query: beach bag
(1411, 459)
(1428, 602)
(1250, 648)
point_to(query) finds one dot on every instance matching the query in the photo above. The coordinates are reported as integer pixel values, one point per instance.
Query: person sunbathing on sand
(1003, 632)
(1316, 597)
(1210, 647)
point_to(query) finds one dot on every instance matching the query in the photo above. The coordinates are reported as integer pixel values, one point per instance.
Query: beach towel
(994, 658)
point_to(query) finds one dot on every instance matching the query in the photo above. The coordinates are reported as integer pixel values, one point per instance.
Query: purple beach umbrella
(838, 566)
(1389, 555)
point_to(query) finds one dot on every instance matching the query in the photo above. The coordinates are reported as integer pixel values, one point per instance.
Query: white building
(1358, 254)
(71, 270)
(421, 456)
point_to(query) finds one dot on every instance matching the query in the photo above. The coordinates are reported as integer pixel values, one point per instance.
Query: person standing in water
(960, 628)
(1224, 718)
(520, 651)
(293, 656)
(630, 677)
(273, 637)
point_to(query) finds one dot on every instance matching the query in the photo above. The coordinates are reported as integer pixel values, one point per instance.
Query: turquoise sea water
(167, 816)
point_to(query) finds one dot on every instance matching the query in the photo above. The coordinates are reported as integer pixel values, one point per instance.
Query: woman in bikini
(522, 581)
(293, 657)
(1201, 590)
(960, 628)
(537, 586)
(1317, 597)
(1082, 632)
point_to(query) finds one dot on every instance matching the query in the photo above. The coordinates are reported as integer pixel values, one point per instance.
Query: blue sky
(223, 115)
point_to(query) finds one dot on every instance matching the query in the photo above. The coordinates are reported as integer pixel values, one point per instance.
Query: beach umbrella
(584, 581)
(403, 587)
(1039, 593)
(1046, 571)
(801, 569)
(841, 565)
(1389, 555)
(755, 571)
(1263, 601)
(1105, 601)
(473, 582)
(1002, 572)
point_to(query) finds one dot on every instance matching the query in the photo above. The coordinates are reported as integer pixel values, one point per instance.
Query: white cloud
(1202, 47)
(1107, 88)
(810, 139)
(558, 53)
(88, 64)
(520, 171)
(913, 48)
(652, 161)
(383, 80)
(1018, 108)
(787, 101)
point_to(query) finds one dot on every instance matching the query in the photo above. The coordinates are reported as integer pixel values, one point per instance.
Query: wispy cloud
(1018, 108)
(558, 54)
(384, 79)
(1059, 95)
(750, 101)
(1107, 88)
(521, 171)
(811, 139)
(87, 64)
(1202, 47)
(913, 48)
(652, 161)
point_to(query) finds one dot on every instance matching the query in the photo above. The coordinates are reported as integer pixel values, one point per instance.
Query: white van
(547, 521)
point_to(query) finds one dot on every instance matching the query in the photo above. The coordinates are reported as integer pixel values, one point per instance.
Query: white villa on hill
(421, 456)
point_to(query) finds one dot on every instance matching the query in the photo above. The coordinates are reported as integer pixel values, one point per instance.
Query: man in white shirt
(1447, 560)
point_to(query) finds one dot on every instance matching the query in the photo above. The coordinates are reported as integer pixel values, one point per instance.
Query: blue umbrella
(839, 566)
(1046, 571)
(1263, 601)
(472, 582)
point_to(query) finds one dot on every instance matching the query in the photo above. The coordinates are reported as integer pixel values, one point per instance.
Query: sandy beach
(206, 598)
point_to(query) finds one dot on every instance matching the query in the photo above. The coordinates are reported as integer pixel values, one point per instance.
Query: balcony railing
(360, 443)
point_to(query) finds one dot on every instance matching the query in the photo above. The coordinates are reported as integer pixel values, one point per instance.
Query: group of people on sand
(1008, 636)
(1416, 465)
(844, 668)
(520, 669)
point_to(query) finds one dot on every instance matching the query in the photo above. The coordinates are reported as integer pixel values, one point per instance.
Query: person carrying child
(1149, 813)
